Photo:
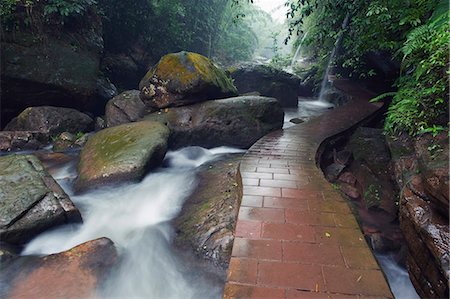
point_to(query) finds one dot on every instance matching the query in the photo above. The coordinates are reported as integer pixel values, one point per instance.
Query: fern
(383, 96)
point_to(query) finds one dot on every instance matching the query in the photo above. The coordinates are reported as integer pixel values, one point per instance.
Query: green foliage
(17, 14)
(421, 104)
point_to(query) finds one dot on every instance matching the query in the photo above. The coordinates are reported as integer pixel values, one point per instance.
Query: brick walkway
(296, 236)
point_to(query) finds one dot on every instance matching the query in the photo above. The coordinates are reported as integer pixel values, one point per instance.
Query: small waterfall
(298, 51)
(324, 85)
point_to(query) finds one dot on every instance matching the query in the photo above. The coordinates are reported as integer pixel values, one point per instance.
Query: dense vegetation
(159, 26)
(414, 33)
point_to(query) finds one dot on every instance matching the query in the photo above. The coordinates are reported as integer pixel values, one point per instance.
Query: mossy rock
(121, 153)
(30, 200)
(184, 78)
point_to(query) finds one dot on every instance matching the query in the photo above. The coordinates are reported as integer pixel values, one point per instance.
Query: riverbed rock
(121, 153)
(372, 168)
(30, 200)
(269, 81)
(125, 108)
(22, 140)
(75, 273)
(184, 78)
(51, 120)
(237, 122)
(208, 219)
(53, 66)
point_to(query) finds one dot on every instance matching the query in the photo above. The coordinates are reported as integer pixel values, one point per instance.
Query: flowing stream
(136, 217)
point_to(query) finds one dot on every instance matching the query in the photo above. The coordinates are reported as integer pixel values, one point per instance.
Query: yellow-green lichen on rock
(121, 153)
(184, 78)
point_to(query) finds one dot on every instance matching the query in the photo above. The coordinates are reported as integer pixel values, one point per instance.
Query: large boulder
(51, 120)
(125, 108)
(121, 153)
(237, 122)
(56, 66)
(269, 81)
(76, 273)
(30, 200)
(184, 78)
(208, 219)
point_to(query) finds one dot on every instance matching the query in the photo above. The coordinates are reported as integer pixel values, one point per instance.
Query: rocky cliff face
(422, 173)
(53, 66)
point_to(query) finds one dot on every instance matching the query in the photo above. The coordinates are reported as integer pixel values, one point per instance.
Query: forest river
(136, 217)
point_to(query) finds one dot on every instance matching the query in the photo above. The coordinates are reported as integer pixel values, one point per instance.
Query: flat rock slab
(30, 200)
(296, 237)
(76, 273)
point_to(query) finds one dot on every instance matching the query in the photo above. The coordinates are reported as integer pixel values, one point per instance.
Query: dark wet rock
(428, 239)
(372, 169)
(54, 161)
(271, 82)
(433, 165)
(350, 191)
(422, 221)
(297, 121)
(335, 96)
(75, 273)
(121, 153)
(100, 123)
(7, 252)
(125, 108)
(207, 221)
(333, 171)
(184, 78)
(53, 66)
(348, 178)
(237, 122)
(22, 140)
(51, 120)
(123, 70)
(105, 89)
(343, 157)
(30, 200)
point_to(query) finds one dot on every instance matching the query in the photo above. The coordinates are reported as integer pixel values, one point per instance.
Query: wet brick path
(296, 237)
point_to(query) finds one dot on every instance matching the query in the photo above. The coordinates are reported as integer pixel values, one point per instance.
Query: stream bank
(398, 189)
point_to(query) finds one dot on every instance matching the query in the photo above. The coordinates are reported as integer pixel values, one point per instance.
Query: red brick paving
(295, 236)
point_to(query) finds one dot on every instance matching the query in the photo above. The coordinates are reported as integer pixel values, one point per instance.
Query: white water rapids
(136, 218)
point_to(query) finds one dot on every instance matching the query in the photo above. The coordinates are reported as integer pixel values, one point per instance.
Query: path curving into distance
(296, 237)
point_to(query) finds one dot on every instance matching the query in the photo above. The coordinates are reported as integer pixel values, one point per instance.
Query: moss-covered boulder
(237, 122)
(51, 120)
(121, 153)
(30, 200)
(184, 78)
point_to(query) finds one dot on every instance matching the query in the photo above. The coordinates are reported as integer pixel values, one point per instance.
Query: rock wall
(421, 171)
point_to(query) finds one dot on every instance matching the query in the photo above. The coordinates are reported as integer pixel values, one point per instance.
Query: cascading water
(136, 217)
(325, 80)
(298, 51)
(398, 278)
